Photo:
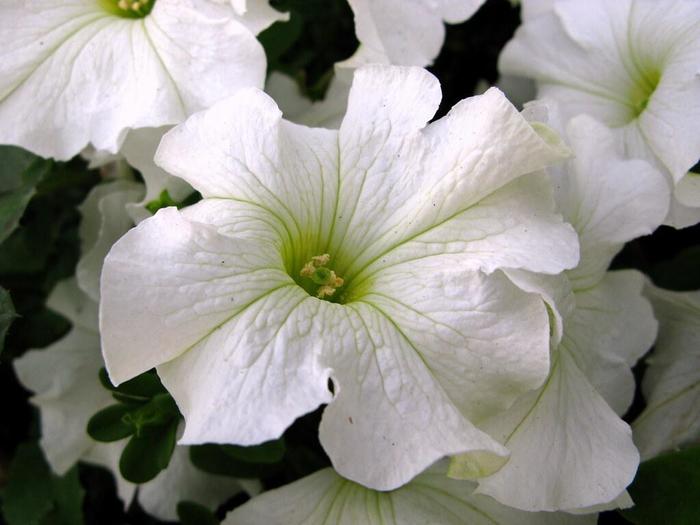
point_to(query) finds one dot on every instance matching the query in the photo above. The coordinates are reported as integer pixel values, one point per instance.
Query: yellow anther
(123, 4)
(320, 260)
(324, 277)
(308, 270)
(135, 6)
(325, 291)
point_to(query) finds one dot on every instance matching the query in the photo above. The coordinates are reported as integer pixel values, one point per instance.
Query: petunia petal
(247, 381)
(625, 329)
(178, 280)
(387, 363)
(407, 33)
(608, 199)
(104, 221)
(98, 75)
(324, 498)
(671, 384)
(64, 380)
(568, 449)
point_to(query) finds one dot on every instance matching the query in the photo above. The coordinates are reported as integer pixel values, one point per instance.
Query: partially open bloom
(671, 383)
(569, 448)
(367, 255)
(632, 64)
(81, 72)
(431, 498)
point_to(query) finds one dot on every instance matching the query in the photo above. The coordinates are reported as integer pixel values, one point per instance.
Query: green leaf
(108, 424)
(667, 490)
(159, 411)
(36, 496)
(7, 315)
(280, 36)
(164, 200)
(140, 389)
(190, 513)
(269, 452)
(68, 497)
(20, 172)
(27, 498)
(213, 459)
(147, 454)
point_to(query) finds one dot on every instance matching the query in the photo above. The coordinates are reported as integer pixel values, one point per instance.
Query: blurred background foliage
(40, 246)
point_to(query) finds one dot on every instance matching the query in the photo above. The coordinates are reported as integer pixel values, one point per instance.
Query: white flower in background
(326, 113)
(104, 221)
(569, 448)
(65, 380)
(256, 15)
(632, 64)
(67, 391)
(406, 32)
(390, 32)
(79, 72)
(671, 384)
(324, 498)
(368, 255)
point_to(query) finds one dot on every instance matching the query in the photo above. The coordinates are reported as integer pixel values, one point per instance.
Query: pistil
(326, 278)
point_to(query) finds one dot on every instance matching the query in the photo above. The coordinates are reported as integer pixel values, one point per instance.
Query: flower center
(128, 8)
(318, 279)
(645, 83)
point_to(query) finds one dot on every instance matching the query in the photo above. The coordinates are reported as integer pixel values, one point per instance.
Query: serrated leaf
(269, 452)
(20, 172)
(7, 315)
(108, 424)
(147, 454)
(190, 513)
(667, 490)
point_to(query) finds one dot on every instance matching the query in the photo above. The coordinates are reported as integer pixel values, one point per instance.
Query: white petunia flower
(324, 498)
(326, 113)
(79, 72)
(569, 448)
(406, 32)
(368, 255)
(104, 220)
(67, 391)
(671, 384)
(256, 15)
(632, 64)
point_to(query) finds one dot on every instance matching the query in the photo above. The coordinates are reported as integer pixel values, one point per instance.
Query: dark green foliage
(239, 462)
(7, 315)
(148, 452)
(681, 273)
(146, 414)
(667, 490)
(36, 496)
(164, 200)
(20, 172)
(195, 514)
(319, 34)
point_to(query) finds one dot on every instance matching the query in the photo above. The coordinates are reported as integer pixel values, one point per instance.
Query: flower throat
(128, 8)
